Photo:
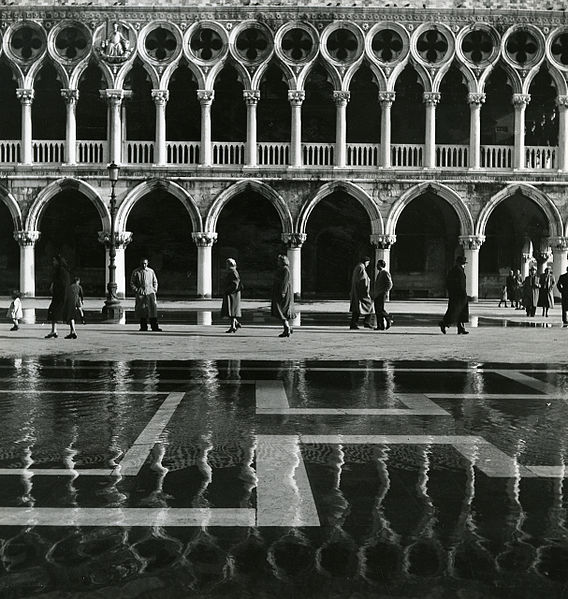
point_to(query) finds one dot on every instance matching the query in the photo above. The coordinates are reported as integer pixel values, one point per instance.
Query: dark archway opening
(183, 111)
(426, 243)
(408, 103)
(10, 124)
(318, 109)
(497, 114)
(161, 231)
(338, 234)
(452, 113)
(91, 108)
(69, 226)
(140, 108)
(273, 111)
(9, 253)
(541, 117)
(48, 108)
(228, 112)
(363, 109)
(250, 231)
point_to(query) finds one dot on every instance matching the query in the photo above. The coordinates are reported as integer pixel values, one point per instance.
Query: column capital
(26, 96)
(476, 99)
(471, 242)
(121, 238)
(387, 97)
(251, 96)
(558, 244)
(26, 238)
(431, 98)
(114, 96)
(519, 100)
(205, 96)
(204, 238)
(341, 97)
(562, 101)
(294, 240)
(160, 96)
(71, 96)
(296, 96)
(381, 241)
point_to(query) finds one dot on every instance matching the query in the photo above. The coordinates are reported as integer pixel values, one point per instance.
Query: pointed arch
(83, 66)
(328, 68)
(171, 69)
(558, 78)
(43, 197)
(263, 68)
(242, 73)
(351, 189)
(8, 199)
(154, 185)
(463, 69)
(513, 76)
(541, 199)
(249, 185)
(38, 66)
(150, 70)
(377, 73)
(442, 191)
(15, 69)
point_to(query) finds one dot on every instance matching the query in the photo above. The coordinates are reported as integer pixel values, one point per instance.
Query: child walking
(504, 297)
(15, 313)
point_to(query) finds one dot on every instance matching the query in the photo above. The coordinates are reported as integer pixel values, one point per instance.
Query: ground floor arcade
(187, 228)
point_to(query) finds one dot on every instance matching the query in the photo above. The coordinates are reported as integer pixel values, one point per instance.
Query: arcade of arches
(324, 236)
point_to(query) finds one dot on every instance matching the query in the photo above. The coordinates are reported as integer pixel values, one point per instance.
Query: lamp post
(112, 310)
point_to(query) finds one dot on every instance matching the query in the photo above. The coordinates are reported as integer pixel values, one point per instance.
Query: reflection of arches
(250, 185)
(351, 189)
(463, 214)
(541, 199)
(158, 184)
(43, 197)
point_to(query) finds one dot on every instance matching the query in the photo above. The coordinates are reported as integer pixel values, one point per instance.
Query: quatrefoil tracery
(387, 45)
(71, 43)
(160, 44)
(432, 46)
(206, 44)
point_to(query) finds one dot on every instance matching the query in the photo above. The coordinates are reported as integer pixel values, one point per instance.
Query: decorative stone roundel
(387, 45)
(342, 45)
(27, 42)
(522, 47)
(206, 44)
(559, 48)
(71, 43)
(432, 46)
(297, 44)
(160, 44)
(252, 44)
(477, 46)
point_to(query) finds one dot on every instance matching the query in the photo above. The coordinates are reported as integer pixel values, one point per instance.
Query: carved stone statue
(117, 45)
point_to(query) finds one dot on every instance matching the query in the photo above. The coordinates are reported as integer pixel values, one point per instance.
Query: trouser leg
(143, 324)
(154, 324)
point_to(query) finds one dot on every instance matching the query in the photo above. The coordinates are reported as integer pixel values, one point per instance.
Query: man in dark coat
(383, 284)
(360, 296)
(145, 285)
(458, 302)
(562, 286)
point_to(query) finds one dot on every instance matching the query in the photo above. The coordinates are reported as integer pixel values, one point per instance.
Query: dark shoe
(463, 332)
(157, 329)
(442, 326)
(284, 334)
(379, 328)
(71, 336)
(51, 336)
(15, 328)
(354, 327)
(388, 323)
(238, 325)
(143, 329)
(231, 330)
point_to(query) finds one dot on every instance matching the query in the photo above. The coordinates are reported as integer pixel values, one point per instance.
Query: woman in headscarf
(282, 297)
(231, 306)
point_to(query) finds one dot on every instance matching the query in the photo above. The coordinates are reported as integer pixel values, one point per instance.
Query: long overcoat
(73, 295)
(458, 302)
(531, 288)
(545, 294)
(360, 296)
(59, 283)
(231, 305)
(145, 288)
(282, 304)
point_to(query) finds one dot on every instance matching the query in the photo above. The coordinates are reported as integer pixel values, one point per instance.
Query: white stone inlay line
(271, 398)
(529, 381)
(78, 392)
(46, 516)
(283, 495)
(484, 396)
(135, 457)
(55, 472)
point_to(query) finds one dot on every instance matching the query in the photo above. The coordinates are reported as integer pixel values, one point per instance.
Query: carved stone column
(382, 244)
(520, 102)
(204, 241)
(71, 97)
(114, 99)
(251, 97)
(296, 98)
(294, 242)
(562, 102)
(27, 241)
(26, 97)
(431, 100)
(121, 240)
(160, 97)
(386, 100)
(475, 102)
(471, 245)
(341, 98)
(205, 97)
(559, 259)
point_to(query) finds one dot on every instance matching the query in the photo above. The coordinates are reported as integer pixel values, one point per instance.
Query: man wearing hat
(360, 296)
(458, 302)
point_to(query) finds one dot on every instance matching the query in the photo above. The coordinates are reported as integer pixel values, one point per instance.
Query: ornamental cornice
(471, 242)
(26, 238)
(204, 238)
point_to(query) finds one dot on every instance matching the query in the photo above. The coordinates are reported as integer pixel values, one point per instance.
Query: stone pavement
(502, 336)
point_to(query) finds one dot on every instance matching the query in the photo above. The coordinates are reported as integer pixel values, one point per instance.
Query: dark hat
(461, 260)
(365, 259)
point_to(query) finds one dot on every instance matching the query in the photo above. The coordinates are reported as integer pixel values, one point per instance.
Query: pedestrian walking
(511, 286)
(504, 297)
(15, 312)
(383, 284)
(60, 280)
(562, 286)
(518, 290)
(72, 306)
(360, 296)
(458, 301)
(232, 287)
(282, 305)
(144, 283)
(545, 293)
(531, 286)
